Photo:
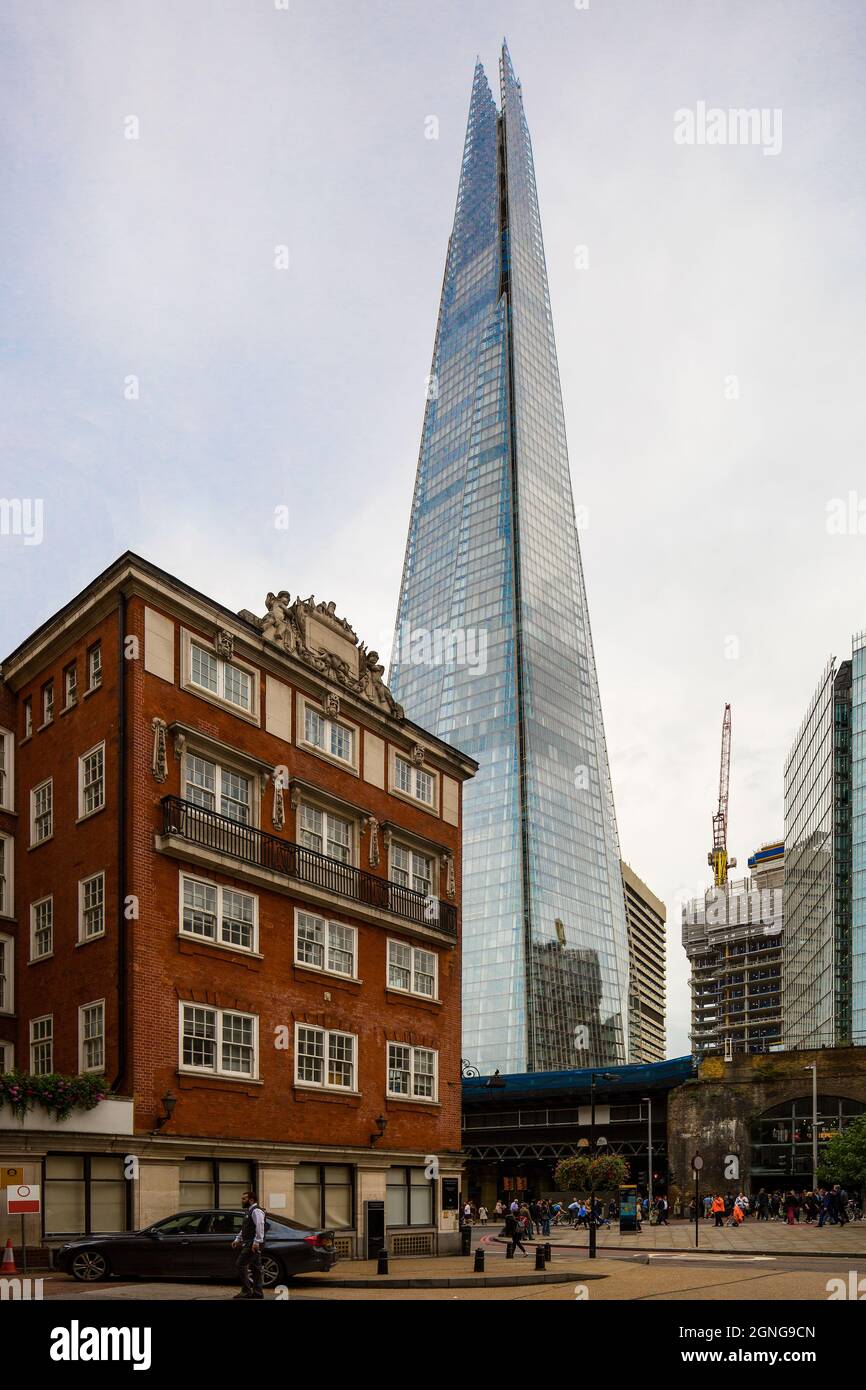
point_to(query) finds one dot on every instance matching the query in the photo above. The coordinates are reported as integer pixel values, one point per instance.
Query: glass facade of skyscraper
(492, 562)
(820, 776)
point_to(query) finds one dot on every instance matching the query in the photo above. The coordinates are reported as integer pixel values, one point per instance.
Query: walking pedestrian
(251, 1242)
(514, 1231)
(718, 1209)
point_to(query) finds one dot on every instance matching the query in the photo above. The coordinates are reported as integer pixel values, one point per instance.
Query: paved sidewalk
(753, 1238)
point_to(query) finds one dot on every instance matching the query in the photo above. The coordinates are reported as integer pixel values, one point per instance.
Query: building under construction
(733, 937)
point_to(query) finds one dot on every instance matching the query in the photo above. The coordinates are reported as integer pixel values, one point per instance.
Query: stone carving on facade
(417, 755)
(295, 798)
(279, 810)
(450, 884)
(179, 743)
(224, 644)
(287, 625)
(372, 825)
(331, 704)
(160, 750)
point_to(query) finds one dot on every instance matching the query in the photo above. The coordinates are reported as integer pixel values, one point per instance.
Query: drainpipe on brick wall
(121, 845)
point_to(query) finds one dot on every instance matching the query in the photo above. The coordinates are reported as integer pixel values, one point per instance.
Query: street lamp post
(813, 1068)
(649, 1144)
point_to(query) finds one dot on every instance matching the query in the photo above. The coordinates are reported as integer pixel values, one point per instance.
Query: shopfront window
(214, 1182)
(86, 1194)
(323, 1195)
(409, 1198)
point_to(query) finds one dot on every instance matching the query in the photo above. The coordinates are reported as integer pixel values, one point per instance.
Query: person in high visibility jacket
(718, 1209)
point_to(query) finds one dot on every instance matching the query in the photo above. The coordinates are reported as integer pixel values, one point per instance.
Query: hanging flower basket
(57, 1094)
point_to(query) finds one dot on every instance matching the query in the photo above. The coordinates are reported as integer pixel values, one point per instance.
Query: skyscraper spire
(492, 557)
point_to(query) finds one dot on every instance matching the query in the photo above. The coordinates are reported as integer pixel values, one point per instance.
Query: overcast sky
(711, 350)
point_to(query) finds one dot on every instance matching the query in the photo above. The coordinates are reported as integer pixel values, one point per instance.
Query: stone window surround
(305, 701)
(187, 637)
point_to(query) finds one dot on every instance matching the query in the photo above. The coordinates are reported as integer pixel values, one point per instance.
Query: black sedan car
(198, 1245)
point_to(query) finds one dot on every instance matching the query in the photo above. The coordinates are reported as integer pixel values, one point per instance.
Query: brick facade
(146, 967)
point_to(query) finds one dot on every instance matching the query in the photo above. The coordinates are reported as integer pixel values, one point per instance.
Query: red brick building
(230, 882)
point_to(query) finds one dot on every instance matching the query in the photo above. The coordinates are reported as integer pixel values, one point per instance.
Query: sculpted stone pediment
(314, 634)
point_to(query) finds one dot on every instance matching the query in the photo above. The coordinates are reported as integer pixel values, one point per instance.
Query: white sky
(259, 388)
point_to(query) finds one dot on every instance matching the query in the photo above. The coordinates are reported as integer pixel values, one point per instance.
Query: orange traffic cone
(8, 1263)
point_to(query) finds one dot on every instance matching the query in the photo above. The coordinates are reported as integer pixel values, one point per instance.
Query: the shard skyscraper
(493, 650)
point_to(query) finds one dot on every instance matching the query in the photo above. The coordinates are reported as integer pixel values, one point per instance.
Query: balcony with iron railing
(294, 867)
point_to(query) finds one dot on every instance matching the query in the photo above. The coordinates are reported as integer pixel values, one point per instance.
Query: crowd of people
(826, 1206)
(525, 1219)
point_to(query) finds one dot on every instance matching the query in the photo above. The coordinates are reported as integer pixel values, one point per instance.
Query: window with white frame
(219, 914)
(94, 666)
(411, 969)
(324, 1057)
(41, 928)
(42, 812)
(7, 744)
(219, 1041)
(7, 852)
(91, 907)
(28, 716)
(411, 869)
(48, 702)
(70, 685)
(218, 788)
(91, 780)
(411, 1071)
(324, 945)
(7, 1057)
(326, 833)
(91, 1036)
(7, 974)
(223, 679)
(412, 780)
(42, 1045)
(329, 735)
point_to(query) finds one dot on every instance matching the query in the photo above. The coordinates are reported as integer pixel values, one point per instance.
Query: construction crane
(718, 856)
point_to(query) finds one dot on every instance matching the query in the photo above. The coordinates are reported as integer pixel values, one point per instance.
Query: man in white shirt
(251, 1240)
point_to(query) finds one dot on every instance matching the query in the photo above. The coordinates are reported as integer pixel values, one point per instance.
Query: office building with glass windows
(493, 650)
(824, 971)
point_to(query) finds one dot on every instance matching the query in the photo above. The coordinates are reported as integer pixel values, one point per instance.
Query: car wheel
(272, 1271)
(90, 1266)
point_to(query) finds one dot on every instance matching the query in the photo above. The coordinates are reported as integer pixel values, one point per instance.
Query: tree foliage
(583, 1174)
(844, 1159)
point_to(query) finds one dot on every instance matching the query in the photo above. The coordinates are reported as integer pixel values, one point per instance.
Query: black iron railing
(201, 826)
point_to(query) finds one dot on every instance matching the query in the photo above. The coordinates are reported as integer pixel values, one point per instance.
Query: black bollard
(382, 1267)
(509, 1251)
(539, 1257)
(466, 1240)
(479, 1261)
(548, 1253)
